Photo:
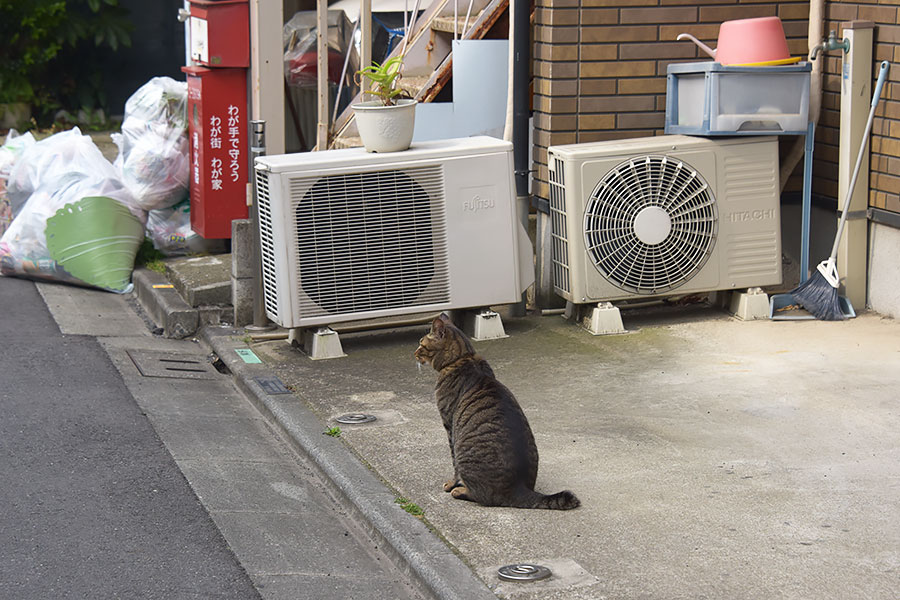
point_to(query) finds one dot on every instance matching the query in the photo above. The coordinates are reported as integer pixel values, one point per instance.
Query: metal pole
(257, 148)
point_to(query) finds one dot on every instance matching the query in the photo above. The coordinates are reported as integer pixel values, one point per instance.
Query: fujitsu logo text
(476, 203)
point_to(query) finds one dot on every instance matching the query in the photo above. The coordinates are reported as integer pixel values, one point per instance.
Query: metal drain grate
(153, 363)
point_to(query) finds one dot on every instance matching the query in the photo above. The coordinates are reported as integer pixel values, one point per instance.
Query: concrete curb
(168, 309)
(164, 305)
(409, 542)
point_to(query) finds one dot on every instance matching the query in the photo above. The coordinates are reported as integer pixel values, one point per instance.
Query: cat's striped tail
(564, 500)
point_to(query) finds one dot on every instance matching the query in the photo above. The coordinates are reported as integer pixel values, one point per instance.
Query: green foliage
(149, 257)
(384, 79)
(333, 431)
(54, 51)
(29, 30)
(410, 507)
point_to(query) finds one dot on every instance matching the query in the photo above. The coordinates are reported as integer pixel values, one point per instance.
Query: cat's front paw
(452, 483)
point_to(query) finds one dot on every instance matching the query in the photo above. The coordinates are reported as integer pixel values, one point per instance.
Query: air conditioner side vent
(559, 250)
(266, 242)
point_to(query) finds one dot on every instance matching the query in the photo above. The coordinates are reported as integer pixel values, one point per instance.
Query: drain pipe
(516, 129)
(521, 70)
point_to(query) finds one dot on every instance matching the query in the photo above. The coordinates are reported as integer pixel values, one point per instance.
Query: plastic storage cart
(706, 98)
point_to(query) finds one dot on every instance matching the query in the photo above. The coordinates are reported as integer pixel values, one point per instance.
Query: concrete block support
(483, 324)
(750, 305)
(604, 319)
(241, 249)
(242, 271)
(242, 300)
(319, 343)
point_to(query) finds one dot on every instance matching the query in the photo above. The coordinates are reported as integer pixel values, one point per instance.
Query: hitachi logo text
(476, 203)
(752, 215)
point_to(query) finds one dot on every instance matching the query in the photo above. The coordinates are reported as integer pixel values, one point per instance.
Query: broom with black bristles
(819, 294)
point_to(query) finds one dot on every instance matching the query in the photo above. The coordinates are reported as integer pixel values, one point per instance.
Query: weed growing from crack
(410, 507)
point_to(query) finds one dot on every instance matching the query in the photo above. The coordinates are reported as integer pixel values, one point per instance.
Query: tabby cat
(495, 459)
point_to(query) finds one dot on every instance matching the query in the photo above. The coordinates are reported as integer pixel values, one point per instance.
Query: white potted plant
(385, 124)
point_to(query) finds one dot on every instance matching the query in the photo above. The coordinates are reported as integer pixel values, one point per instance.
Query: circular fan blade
(650, 224)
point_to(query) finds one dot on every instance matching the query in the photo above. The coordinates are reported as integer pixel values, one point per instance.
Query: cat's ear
(438, 325)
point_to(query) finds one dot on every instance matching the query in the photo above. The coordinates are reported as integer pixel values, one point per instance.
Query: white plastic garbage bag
(64, 153)
(10, 152)
(78, 222)
(170, 231)
(154, 160)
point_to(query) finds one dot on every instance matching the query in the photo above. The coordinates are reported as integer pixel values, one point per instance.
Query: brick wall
(600, 73)
(884, 161)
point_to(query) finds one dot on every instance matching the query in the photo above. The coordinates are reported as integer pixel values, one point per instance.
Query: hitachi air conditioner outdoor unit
(348, 235)
(663, 216)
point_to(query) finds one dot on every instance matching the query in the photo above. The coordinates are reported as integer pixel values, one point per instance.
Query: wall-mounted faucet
(832, 43)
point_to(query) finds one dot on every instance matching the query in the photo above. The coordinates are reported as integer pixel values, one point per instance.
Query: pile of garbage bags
(67, 214)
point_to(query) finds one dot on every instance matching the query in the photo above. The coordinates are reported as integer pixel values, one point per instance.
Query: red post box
(220, 33)
(218, 128)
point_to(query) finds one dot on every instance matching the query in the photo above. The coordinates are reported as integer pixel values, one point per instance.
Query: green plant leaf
(384, 78)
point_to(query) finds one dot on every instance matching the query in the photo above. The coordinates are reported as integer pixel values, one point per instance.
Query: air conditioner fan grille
(372, 241)
(650, 224)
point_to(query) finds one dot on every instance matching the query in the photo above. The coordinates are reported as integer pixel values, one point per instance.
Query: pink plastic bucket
(752, 41)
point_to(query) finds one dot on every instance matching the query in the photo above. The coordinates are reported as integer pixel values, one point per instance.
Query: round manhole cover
(355, 419)
(523, 572)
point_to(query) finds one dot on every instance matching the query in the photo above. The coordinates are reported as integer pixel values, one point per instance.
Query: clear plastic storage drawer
(707, 98)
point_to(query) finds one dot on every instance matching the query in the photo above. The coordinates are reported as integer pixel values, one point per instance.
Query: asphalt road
(93, 505)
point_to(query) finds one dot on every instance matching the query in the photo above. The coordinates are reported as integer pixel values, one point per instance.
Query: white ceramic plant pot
(386, 128)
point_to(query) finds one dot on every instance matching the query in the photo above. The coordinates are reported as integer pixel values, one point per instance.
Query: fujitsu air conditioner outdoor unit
(662, 216)
(347, 235)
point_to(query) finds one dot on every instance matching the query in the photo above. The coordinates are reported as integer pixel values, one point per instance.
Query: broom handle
(882, 75)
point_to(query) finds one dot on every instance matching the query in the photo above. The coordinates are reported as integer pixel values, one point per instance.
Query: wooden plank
(422, 26)
(266, 72)
(488, 17)
(322, 65)
(443, 72)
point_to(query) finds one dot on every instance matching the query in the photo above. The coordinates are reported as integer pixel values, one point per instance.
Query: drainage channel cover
(272, 385)
(153, 363)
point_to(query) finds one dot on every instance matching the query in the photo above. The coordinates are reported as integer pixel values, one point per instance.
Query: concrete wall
(884, 273)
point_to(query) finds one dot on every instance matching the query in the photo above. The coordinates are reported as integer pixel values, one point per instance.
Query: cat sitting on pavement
(495, 459)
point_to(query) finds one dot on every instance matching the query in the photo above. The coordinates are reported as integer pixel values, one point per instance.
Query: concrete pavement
(714, 458)
(272, 517)
(93, 506)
